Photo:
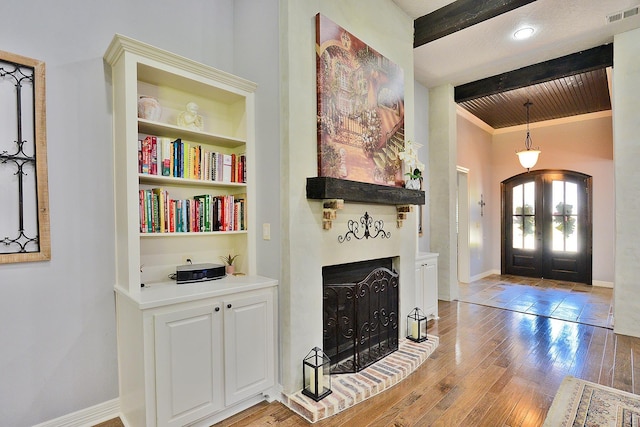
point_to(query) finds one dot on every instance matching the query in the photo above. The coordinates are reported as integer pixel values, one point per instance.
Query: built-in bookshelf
(184, 191)
(181, 192)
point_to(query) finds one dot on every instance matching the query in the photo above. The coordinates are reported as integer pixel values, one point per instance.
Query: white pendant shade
(528, 158)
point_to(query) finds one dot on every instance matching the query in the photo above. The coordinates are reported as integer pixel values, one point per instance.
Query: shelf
(169, 180)
(193, 233)
(326, 188)
(172, 131)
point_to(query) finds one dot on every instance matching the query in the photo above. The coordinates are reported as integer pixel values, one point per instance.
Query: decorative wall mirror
(24, 195)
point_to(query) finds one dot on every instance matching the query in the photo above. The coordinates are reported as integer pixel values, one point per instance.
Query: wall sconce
(316, 375)
(417, 325)
(528, 157)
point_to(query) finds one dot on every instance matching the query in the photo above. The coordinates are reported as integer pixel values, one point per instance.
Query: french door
(546, 225)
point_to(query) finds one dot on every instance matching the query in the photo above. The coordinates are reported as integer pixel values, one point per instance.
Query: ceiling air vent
(623, 14)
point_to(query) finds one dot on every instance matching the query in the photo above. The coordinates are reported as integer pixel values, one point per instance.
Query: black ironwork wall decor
(367, 223)
(24, 205)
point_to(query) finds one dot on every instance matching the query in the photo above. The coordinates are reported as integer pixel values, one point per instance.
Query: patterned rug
(351, 389)
(581, 403)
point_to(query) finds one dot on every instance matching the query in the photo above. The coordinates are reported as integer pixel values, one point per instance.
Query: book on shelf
(166, 156)
(159, 213)
(181, 159)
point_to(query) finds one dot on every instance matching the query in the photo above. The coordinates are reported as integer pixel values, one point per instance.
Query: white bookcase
(169, 335)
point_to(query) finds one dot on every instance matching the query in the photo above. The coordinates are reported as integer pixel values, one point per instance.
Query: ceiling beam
(588, 60)
(459, 15)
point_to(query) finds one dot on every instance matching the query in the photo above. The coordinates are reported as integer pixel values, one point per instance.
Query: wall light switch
(266, 231)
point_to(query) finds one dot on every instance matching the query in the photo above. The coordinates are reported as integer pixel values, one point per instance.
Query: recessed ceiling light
(523, 33)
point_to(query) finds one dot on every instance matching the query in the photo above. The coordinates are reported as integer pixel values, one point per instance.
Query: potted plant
(409, 156)
(415, 177)
(229, 260)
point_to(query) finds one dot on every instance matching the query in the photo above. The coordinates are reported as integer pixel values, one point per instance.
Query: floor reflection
(575, 302)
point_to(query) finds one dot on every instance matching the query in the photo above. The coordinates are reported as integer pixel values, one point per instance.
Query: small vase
(231, 269)
(149, 108)
(412, 184)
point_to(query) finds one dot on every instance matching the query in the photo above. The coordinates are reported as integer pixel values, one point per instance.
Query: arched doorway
(546, 225)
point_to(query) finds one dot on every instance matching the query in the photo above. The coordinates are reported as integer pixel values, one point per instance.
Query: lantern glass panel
(417, 325)
(316, 374)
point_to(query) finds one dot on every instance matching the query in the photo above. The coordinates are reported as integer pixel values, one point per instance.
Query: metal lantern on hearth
(316, 374)
(417, 325)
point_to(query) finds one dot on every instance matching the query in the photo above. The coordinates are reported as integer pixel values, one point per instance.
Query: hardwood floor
(494, 367)
(571, 301)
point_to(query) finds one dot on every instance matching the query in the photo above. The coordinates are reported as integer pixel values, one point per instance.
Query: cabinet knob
(228, 305)
(217, 309)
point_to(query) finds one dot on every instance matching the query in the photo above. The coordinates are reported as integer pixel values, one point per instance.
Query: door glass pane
(517, 200)
(518, 237)
(530, 197)
(565, 218)
(524, 216)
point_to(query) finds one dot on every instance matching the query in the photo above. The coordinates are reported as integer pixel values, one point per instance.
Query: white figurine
(190, 118)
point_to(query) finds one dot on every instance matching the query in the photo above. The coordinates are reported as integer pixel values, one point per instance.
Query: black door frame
(586, 238)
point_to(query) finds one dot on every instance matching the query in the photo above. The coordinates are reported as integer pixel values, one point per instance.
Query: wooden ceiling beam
(580, 62)
(459, 15)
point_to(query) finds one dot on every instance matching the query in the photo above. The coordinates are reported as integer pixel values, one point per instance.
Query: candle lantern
(316, 375)
(417, 325)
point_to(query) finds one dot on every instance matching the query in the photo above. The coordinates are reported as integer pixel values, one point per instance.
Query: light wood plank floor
(493, 367)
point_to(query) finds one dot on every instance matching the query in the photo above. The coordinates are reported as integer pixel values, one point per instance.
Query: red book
(146, 155)
(234, 170)
(143, 225)
(172, 216)
(154, 156)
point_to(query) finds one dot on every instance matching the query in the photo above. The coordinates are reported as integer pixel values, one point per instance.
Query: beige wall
(580, 145)
(474, 154)
(583, 144)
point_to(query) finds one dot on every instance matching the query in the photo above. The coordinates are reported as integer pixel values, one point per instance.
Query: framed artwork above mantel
(360, 112)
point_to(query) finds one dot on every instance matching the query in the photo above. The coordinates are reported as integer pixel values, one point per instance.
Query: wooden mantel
(324, 188)
(334, 192)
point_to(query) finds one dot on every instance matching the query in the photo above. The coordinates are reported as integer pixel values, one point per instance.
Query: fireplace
(360, 313)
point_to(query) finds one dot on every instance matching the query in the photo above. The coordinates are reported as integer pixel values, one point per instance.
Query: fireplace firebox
(360, 309)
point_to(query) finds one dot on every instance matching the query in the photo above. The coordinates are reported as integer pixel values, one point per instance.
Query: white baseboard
(485, 274)
(86, 417)
(602, 284)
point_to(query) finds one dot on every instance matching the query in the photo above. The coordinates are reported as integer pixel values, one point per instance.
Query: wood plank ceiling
(581, 93)
(562, 87)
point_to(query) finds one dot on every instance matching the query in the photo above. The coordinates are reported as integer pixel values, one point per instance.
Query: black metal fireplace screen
(360, 317)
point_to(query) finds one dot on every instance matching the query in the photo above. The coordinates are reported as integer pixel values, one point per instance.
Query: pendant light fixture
(528, 157)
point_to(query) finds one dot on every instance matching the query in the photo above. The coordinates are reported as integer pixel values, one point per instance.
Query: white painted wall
(443, 182)
(57, 342)
(422, 137)
(306, 247)
(256, 57)
(626, 128)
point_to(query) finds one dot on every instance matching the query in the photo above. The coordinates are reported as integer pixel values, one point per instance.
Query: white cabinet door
(189, 377)
(249, 345)
(429, 275)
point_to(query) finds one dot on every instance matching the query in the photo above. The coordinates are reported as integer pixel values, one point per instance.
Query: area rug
(581, 403)
(351, 389)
